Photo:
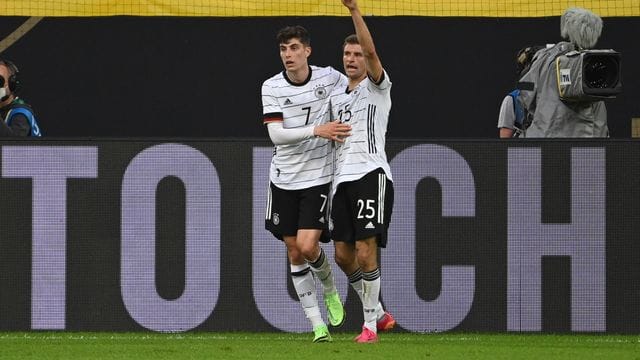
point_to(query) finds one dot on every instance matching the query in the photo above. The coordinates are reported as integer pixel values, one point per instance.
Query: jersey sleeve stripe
(272, 117)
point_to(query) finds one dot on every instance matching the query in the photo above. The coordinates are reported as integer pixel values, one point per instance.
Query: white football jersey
(366, 108)
(309, 162)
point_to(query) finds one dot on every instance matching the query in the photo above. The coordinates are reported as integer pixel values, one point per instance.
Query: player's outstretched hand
(334, 130)
(350, 4)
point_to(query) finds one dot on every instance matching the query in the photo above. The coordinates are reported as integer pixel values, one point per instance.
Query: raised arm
(374, 66)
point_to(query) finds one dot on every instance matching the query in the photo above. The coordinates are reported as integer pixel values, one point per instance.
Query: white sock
(370, 298)
(355, 280)
(306, 289)
(322, 270)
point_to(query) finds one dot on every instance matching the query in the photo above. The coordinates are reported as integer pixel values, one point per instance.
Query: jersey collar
(284, 74)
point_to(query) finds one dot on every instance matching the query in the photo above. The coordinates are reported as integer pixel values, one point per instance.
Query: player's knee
(310, 251)
(345, 256)
(343, 260)
(295, 255)
(367, 258)
(367, 264)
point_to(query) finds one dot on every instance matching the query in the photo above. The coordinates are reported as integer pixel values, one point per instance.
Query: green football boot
(321, 334)
(335, 310)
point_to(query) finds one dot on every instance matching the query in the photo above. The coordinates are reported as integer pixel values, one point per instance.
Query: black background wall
(201, 77)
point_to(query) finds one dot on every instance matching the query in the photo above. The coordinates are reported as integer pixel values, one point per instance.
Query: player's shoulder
(384, 78)
(383, 84)
(322, 68)
(323, 71)
(274, 80)
(340, 87)
(331, 77)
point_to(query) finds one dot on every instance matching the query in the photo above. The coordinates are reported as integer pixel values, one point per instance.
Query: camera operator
(16, 117)
(554, 116)
(513, 119)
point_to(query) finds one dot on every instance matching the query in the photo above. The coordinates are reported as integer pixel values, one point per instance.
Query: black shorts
(362, 208)
(290, 210)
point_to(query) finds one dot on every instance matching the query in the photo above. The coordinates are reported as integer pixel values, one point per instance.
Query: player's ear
(307, 50)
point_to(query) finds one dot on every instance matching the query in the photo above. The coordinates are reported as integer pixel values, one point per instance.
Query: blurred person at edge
(18, 118)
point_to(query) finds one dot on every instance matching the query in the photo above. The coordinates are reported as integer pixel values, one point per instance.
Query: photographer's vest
(19, 107)
(522, 118)
(518, 109)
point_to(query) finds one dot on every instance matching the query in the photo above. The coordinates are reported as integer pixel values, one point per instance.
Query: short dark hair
(351, 39)
(524, 58)
(294, 32)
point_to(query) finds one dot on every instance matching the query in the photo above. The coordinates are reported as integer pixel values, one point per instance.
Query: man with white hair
(552, 116)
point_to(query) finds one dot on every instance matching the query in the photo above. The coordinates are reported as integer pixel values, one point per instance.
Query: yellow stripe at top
(227, 8)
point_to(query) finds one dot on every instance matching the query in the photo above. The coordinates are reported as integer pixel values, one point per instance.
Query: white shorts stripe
(269, 199)
(381, 189)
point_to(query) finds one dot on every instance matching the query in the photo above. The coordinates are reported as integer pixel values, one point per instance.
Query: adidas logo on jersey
(370, 226)
(288, 102)
(321, 220)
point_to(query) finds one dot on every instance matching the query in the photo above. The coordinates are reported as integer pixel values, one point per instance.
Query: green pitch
(405, 346)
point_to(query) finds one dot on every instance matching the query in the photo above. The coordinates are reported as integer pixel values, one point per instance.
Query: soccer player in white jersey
(363, 190)
(296, 111)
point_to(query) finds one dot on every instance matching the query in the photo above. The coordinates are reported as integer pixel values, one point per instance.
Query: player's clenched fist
(350, 4)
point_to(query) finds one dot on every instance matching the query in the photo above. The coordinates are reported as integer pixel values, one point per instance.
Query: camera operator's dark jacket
(17, 119)
(553, 117)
